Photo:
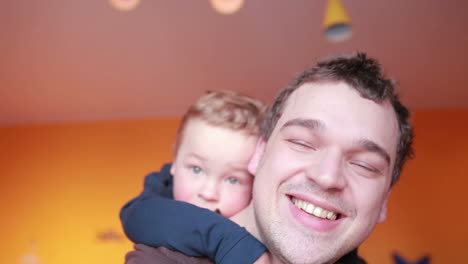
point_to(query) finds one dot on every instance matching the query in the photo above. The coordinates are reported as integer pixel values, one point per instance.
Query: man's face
(210, 168)
(323, 177)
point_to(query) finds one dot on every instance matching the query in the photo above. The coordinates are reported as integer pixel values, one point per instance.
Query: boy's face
(210, 168)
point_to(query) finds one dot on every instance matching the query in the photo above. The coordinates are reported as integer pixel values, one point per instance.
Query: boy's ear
(172, 170)
(173, 159)
(383, 210)
(257, 156)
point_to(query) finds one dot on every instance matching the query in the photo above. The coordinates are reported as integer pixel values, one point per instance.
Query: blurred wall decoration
(227, 7)
(401, 260)
(124, 5)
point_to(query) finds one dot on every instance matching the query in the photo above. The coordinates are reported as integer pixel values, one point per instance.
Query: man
(332, 146)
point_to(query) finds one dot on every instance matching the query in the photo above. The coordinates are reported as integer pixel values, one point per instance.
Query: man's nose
(328, 171)
(209, 191)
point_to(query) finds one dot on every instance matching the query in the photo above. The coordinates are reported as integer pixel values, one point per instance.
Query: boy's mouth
(314, 210)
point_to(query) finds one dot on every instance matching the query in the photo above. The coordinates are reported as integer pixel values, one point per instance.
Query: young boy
(214, 143)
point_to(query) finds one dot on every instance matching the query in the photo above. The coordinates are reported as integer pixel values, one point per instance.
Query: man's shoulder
(351, 258)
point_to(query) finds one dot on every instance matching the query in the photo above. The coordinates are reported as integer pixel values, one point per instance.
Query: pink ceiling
(73, 61)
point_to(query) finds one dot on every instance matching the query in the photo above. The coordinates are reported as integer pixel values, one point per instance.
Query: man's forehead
(334, 96)
(311, 90)
(337, 105)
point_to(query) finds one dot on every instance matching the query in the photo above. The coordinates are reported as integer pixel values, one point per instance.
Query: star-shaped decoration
(400, 260)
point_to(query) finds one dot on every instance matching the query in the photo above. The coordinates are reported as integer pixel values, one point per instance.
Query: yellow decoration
(337, 23)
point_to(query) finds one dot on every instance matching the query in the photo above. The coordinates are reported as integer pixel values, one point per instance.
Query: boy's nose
(209, 191)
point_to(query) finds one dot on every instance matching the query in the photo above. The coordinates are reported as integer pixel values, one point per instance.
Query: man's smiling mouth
(314, 210)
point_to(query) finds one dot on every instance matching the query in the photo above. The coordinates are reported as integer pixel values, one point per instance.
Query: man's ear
(257, 156)
(383, 210)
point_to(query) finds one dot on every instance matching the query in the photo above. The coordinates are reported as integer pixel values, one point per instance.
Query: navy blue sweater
(153, 218)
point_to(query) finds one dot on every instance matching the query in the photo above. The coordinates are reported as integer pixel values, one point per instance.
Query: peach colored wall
(62, 185)
(427, 212)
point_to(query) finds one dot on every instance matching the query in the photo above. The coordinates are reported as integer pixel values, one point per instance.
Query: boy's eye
(232, 180)
(196, 169)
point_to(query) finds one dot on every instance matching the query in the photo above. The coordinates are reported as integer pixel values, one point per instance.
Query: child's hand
(263, 259)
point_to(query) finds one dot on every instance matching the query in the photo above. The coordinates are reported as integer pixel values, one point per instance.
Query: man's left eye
(232, 180)
(365, 167)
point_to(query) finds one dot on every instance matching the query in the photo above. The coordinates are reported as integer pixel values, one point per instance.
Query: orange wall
(63, 184)
(427, 212)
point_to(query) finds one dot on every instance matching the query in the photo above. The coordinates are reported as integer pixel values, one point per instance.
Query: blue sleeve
(154, 219)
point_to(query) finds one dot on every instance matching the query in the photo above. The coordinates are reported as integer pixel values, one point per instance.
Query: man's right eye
(301, 145)
(196, 169)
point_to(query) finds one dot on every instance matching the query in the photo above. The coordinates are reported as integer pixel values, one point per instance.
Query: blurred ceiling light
(227, 7)
(124, 5)
(337, 24)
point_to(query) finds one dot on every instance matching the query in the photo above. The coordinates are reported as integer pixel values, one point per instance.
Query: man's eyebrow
(375, 148)
(311, 124)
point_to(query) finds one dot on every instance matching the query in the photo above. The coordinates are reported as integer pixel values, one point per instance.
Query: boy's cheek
(182, 191)
(235, 202)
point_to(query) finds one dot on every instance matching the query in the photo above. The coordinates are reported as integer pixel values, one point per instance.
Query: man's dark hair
(363, 74)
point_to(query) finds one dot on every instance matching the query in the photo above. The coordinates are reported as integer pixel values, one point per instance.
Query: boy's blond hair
(225, 109)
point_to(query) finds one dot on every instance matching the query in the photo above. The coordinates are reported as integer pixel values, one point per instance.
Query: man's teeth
(314, 210)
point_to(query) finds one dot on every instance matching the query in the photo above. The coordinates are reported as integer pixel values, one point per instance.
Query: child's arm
(157, 220)
(149, 255)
